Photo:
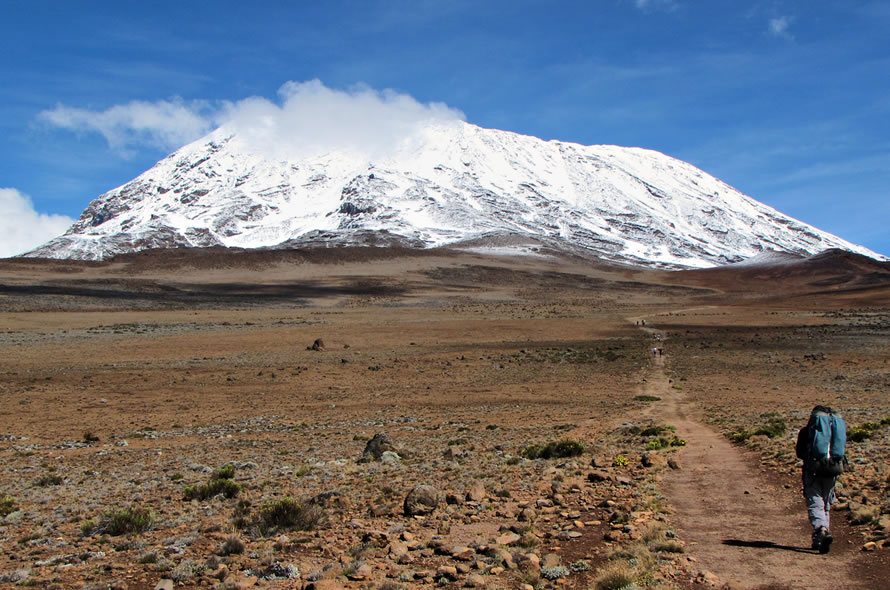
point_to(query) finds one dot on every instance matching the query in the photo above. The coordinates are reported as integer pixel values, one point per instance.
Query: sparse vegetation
(231, 546)
(133, 519)
(620, 461)
(774, 427)
(647, 398)
(559, 450)
(49, 479)
(862, 432)
(863, 514)
(555, 572)
(615, 575)
(221, 483)
(289, 513)
(657, 430)
(8, 505)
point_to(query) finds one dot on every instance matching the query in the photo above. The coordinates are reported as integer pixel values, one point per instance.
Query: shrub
(89, 437)
(290, 513)
(858, 434)
(214, 487)
(149, 557)
(654, 445)
(50, 479)
(774, 428)
(134, 519)
(185, 571)
(555, 572)
(657, 429)
(740, 436)
(647, 398)
(620, 461)
(220, 483)
(8, 505)
(232, 546)
(885, 421)
(559, 449)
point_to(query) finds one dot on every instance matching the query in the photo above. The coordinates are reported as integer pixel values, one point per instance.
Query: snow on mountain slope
(449, 183)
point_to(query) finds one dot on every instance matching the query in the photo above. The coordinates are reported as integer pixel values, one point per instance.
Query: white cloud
(778, 26)
(162, 124)
(312, 119)
(307, 118)
(21, 227)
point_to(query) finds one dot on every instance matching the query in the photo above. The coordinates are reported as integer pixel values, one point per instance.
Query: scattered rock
(423, 499)
(476, 493)
(390, 458)
(374, 448)
(461, 553)
(508, 539)
(475, 581)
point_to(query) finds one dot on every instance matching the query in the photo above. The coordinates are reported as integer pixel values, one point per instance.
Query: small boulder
(423, 499)
(390, 458)
(476, 493)
(508, 539)
(374, 448)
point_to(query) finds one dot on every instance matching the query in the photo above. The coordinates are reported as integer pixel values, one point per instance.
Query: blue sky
(788, 101)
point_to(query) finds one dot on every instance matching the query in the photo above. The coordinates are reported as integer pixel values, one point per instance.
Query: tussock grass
(615, 575)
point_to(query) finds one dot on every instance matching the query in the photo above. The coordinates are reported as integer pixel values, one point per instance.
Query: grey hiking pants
(819, 493)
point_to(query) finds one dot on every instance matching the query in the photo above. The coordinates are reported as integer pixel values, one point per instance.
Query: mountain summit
(448, 183)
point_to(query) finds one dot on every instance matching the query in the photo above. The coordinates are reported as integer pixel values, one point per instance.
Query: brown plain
(181, 361)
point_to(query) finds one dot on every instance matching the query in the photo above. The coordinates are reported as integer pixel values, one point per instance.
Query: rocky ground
(401, 420)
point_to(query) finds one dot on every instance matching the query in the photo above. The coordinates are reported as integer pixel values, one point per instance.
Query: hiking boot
(824, 539)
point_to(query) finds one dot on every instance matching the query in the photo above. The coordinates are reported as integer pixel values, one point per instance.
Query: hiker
(821, 445)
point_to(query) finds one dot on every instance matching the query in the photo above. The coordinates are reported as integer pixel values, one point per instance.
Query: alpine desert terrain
(395, 418)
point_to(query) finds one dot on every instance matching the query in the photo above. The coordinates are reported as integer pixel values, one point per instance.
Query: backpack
(826, 438)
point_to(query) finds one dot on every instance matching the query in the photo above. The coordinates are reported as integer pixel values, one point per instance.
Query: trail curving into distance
(739, 524)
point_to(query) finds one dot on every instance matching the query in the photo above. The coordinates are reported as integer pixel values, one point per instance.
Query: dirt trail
(739, 524)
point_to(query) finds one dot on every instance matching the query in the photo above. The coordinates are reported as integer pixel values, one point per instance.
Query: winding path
(741, 525)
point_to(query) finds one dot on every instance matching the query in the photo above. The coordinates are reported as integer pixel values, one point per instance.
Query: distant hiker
(821, 445)
(654, 352)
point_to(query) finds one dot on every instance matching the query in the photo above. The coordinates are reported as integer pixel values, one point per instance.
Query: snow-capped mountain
(451, 182)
